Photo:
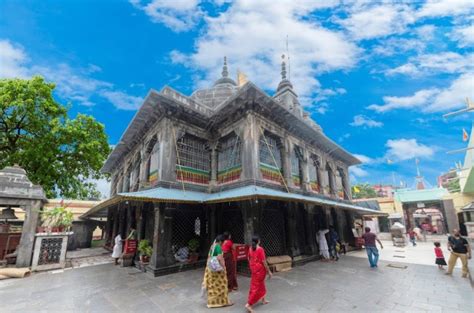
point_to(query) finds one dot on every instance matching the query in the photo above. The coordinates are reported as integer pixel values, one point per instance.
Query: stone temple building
(227, 158)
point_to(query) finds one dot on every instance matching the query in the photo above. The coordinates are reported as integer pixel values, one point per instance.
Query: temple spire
(283, 67)
(225, 73)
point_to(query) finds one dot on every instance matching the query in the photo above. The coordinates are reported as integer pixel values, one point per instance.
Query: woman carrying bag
(215, 277)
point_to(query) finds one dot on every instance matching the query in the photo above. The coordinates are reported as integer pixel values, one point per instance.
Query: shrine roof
(166, 195)
(169, 102)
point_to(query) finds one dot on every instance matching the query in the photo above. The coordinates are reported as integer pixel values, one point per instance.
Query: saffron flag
(356, 189)
(465, 135)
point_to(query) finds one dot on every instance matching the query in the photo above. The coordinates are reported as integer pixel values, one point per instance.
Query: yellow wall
(460, 200)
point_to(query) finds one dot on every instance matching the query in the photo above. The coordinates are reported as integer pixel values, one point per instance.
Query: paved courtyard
(348, 285)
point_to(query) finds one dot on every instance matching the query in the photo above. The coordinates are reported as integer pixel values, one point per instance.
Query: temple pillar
(310, 247)
(214, 167)
(291, 238)
(25, 248)
(168, 151)
(157, 257)
(249, 133)
(305, 171)
(286, 161)
(249, 217)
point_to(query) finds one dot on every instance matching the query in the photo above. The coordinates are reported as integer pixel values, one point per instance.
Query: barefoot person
(370, 247)
(228, 249)
(118, 246)
(258, 269)
(215, 277)
(440, 261)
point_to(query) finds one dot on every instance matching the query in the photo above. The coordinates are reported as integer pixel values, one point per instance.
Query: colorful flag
(356, 189)
(465, 135)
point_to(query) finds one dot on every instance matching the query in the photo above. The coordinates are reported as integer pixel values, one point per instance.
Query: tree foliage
(363, 191)
(59, 153)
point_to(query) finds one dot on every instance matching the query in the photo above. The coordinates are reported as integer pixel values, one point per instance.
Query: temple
(227, 158)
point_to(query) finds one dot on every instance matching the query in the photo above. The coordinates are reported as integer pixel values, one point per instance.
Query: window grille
(126, 181)
(184, 223)
(270, 166)
(135, 176)
(193, 161)
(314, 180)
(296, 170)
(272, 232)
(233, 222)
(229, 164)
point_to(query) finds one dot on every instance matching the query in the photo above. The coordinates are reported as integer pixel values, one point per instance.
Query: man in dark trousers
(459, 248)
(370, 247)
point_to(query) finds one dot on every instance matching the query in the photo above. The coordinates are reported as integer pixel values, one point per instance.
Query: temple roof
(218, 104)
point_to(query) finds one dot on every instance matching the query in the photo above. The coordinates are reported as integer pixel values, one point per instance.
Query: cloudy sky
(376, 75)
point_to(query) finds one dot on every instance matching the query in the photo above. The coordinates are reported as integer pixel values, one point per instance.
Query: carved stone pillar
(249, 133)
(25, 248)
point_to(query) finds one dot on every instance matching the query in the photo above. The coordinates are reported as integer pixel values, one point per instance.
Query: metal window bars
(193, 160)
(229, 164)
(314, 179)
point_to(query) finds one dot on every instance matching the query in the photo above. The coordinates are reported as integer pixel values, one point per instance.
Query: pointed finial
(225, 73)
(283, 67)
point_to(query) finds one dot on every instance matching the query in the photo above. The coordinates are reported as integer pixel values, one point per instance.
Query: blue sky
(377, 76)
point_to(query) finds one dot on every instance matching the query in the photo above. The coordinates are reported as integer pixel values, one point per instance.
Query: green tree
(59, 153)
(362, 191)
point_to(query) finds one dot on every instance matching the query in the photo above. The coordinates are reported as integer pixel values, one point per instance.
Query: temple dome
(222, 89)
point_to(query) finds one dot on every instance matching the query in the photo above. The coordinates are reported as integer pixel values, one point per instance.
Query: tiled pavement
(347, 285)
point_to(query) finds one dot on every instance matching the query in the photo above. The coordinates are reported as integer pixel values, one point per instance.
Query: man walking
(459, 248)
(370, 247)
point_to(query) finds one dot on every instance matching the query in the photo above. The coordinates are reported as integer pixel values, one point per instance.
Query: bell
(8, 214)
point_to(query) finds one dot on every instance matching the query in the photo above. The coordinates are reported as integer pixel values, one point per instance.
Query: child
(439, 256)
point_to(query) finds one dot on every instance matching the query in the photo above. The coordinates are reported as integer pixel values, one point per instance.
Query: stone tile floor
(347, 285)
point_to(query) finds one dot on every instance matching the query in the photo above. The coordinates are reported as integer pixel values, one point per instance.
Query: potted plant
(58, 219)
(145, 250)
(193, 246)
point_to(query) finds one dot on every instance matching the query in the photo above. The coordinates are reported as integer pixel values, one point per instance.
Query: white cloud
(367, 22)
(464, 35)
(364, 121)
(72, 84)
(179, 15)
(102, 185)
(122, 100)
(446, 62)
(405, 149)
(252, 35)
(364, 159)
(357, 171)
(12, 60)
(438, 8)
(433, 99)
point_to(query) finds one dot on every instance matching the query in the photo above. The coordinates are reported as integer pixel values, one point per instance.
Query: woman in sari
(227, 248)
(258, 269)
(216, 281)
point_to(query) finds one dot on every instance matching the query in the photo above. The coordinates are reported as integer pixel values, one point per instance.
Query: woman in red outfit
(227, 248)
(258, 269)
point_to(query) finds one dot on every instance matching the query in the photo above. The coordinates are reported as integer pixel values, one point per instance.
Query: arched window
(270, 158)
(229, 164)
(296, 168)
(193, 160)
(152, 167)
(126, 180)
(314, 176)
